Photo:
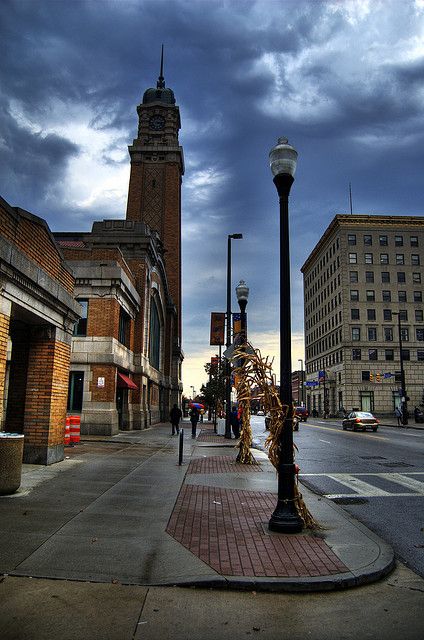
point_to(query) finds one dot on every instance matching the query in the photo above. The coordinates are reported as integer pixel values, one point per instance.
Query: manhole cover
(395, 464)
(350, 500)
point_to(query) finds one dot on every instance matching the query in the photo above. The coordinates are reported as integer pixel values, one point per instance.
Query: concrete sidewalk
(120, 509)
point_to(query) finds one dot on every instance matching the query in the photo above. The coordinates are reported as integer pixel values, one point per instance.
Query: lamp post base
(285, 519)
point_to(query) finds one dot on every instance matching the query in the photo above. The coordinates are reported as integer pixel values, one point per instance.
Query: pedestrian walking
(398, 414)
(175, 417)
(235, 422)
(194, 419)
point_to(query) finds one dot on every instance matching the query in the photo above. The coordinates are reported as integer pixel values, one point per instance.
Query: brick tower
(157, 167)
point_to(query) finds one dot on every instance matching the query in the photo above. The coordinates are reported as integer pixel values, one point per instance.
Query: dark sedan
(360, 421)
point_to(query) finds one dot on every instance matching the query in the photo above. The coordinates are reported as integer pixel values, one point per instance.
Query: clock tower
(157, 167)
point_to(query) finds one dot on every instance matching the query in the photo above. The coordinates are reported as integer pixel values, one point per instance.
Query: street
(377, 477)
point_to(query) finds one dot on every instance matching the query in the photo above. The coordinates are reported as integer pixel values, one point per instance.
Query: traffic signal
(378, 377)
(371, 376)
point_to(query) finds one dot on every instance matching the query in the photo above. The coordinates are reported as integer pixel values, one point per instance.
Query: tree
(214, 390)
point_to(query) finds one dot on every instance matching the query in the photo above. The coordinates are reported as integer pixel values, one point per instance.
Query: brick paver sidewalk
(228, 530)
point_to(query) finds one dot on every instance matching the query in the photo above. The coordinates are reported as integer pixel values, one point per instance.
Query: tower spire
(161, 80)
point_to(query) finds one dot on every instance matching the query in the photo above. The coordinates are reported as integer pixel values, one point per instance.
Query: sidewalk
(121, 510)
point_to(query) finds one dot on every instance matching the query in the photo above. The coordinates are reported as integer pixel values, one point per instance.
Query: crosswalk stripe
(367, 490)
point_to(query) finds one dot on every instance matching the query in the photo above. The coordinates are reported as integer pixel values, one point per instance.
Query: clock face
(157, 123)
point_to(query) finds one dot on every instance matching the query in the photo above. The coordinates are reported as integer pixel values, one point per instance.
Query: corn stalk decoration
(252, 370)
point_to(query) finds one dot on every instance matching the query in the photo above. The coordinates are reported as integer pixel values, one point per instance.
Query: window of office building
(419, 315)
(354, 294)
(403, 314)
(370, 295)
(404, 333)
(354, 314)
(369, 276)
(368, 258)
(418, 296)
(370, 314)
(154, 335)
(386, 296)
(365, 376)
(372, 334)
(415, 259)
(400, 258)
(398, 241)
(416, 278)
(372, 354)
(406, 354)
(352, 258)
(401, 276)
(383, 241)
(385, 276)
(356, 354)
(351, 238)
(353, 276)
(387, 314)
(388, 334)
(420, 334)
(414, 241)
(356, 334)
(384, 258)
(124, 327)
(389, 354)
(420, 355)
(367, 239)
(402, 296)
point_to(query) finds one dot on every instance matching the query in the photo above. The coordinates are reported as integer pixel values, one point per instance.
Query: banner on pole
(217, 328)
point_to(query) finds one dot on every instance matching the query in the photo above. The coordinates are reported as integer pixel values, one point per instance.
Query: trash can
(11, 453)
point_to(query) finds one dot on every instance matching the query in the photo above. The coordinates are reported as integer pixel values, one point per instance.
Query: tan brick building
(37, 316)
(362, 273)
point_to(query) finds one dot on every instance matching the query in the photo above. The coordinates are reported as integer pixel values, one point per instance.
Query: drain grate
(350, 500)
(396, 464)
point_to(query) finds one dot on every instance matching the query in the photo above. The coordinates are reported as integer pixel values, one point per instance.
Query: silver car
(360, 421)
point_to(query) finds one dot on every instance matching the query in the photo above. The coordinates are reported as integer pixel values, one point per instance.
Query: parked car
(360, 420)
(302, 413)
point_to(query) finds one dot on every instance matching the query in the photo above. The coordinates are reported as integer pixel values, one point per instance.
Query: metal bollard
(180, 447)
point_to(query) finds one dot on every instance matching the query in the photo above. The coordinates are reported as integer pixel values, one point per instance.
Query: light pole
(233, 236)
(404, 398)
(301, 379)
(285, 519)
(192, 391)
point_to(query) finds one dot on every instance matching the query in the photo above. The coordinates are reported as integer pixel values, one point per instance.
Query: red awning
(125, 381)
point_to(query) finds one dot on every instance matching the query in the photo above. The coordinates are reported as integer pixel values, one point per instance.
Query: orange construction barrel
(75, 429)
(67, 439)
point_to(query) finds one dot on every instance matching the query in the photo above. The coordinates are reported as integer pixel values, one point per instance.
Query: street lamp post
(301, 380)
(242, 293)
(285, 519)
(404, 398)
(233, 236)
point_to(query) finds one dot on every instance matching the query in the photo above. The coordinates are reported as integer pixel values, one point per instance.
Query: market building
(363, 306)
(126, 352)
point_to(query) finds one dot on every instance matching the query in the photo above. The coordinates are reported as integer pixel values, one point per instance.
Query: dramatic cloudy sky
(342, 79)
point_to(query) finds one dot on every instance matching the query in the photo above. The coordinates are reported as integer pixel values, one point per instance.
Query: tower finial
(161, 80)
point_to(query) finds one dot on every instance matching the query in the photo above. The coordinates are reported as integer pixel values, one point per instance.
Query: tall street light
(285, 519)
(233, 236)
(242, 293)
(404, 398)
(301, 379)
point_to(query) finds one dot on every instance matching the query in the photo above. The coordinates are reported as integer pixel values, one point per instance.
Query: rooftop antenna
(350, 198)
(161, 80)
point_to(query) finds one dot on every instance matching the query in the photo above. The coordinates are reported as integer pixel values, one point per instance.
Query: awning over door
(125, 382)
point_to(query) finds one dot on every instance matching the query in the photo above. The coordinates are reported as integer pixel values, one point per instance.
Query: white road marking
(367, 490)
(326, 441)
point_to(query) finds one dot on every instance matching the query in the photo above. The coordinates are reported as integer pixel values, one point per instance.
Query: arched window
(154, 346)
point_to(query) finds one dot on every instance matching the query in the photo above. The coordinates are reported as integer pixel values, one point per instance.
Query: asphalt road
(377, 477)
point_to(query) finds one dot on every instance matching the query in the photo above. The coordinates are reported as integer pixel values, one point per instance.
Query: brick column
(4, 335)
(46, 396)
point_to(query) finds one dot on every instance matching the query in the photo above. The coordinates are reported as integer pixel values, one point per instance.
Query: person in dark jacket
(235, 422)
(194, 419)
(175, 417)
